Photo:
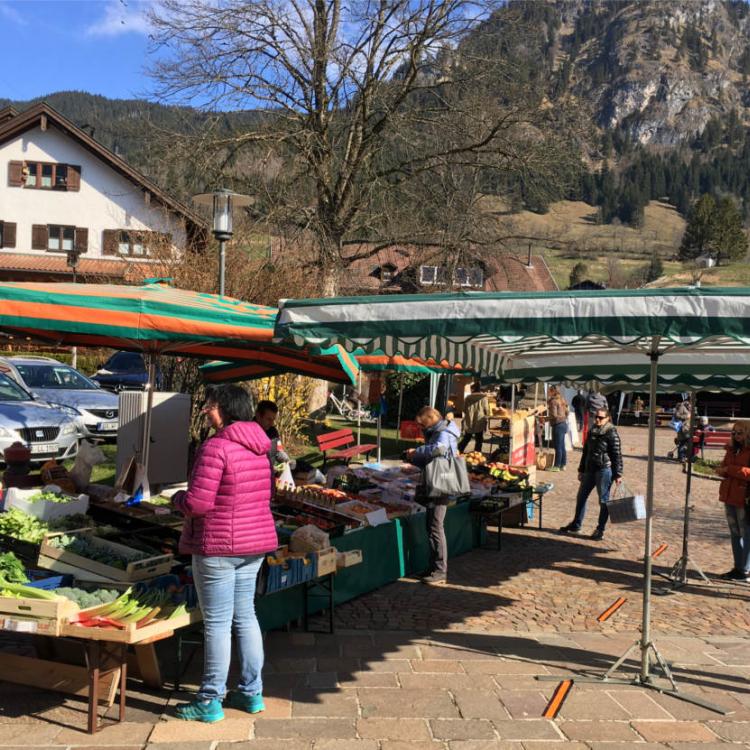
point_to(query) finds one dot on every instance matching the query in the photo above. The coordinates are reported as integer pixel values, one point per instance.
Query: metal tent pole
(400, 405)
(359, 407)
(679, 573)
(644, 644)
(379, 435)
(150, 386)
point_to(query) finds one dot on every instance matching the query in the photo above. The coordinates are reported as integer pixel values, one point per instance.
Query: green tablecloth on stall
(389, 551)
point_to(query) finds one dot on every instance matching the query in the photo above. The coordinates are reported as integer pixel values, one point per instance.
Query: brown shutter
(110, 239)
(74, 177)
(9, 234)
(81, 241)
(15, 174)
(39, 236)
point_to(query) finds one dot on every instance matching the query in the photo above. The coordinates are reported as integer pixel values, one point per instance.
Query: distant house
(407, 269)
(705, 261)
(65, 192)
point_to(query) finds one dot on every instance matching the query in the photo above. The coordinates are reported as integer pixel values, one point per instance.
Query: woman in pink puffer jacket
(228, 529)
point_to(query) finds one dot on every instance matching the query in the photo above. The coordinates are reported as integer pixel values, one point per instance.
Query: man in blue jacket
(440, 439)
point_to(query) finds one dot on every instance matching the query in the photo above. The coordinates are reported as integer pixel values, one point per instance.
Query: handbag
(624, 506)
(446, 475)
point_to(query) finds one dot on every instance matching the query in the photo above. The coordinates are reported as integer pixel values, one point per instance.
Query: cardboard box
(326, 562)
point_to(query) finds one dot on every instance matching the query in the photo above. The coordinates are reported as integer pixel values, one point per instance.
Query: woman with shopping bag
(443, 475)
(600, 467)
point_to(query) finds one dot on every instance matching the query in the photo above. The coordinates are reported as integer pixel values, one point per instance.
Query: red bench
(341, 438)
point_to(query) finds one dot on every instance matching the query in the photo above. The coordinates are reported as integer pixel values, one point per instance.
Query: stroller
(682, 443)
(345, 409)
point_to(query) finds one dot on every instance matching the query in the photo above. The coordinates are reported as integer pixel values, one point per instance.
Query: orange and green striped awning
(159, 319)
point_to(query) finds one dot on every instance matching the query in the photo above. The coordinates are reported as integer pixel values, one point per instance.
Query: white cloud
(121, 17)
(10, 13)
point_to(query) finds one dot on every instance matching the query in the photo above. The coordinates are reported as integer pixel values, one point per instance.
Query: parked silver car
(49, 432)
(95, 410)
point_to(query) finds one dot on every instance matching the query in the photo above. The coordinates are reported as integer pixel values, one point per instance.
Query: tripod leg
(698, 570)
(620, 661)
(664, 666)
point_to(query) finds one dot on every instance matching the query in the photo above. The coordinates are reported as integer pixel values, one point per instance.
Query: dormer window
(387, 272)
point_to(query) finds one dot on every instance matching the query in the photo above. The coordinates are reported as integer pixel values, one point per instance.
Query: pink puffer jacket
(228, 499)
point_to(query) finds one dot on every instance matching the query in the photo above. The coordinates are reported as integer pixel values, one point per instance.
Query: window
(427, 275)
(60, 238)
(387, 272)
(131, 243)
(471, 277)
(40, 175)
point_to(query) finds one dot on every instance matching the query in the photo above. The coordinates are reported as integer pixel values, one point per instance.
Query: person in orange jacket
(735, 473)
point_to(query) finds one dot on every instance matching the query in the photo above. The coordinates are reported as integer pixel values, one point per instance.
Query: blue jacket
(440, 440)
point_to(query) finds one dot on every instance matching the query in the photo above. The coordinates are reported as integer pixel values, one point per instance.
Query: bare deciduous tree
(355, 102)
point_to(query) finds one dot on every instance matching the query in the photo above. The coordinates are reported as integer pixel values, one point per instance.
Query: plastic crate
(280, 575)
(41, 579)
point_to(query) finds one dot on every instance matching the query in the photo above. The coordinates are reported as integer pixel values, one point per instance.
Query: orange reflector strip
(659, 550)
(611, 610)
(557, 699)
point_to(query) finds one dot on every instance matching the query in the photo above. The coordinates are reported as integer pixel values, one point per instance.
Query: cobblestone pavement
(543, 581)
(455, 668)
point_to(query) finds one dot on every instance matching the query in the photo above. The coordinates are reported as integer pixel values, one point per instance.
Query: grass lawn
(706, 466)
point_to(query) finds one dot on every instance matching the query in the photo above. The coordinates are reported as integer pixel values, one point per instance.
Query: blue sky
(98, 46)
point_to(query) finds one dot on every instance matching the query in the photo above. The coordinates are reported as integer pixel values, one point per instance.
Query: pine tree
(578, 274)
(655, 268)
(729, 240)
(699, 230)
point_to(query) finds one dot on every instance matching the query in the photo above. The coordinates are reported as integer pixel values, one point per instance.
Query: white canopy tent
(488, 332)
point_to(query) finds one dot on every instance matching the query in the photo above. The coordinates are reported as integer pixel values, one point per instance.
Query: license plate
(43, 447)
(107, 426)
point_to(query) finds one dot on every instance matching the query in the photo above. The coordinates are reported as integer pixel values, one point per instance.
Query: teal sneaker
(198, 710)
(252, 704)
(554, 468)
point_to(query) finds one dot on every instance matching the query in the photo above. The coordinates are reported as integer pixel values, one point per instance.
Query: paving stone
(524, 704)
(683, 711)
(206, 745)
(733, 731)
(421, 681)
(405, 745)
(38, 734)
(369, 679)
(386, 703)
(393, 729)
(176, 730)
(462, 729)
(345, 745)
(322, 680)
(703, 746)
(485, 745)
(627, 746)
(276, 708)
(639, 704)
(305, 728)
(529, 729)
(259, 745)
(339, 665)
(591, 705)
(599, 731)
(673, 731)
(437, 665)
(125, 733)
(389, 665)
(500, 667)
(456, 652)
(309, 703)
(475, 704)
(521, 682)
(293, 666)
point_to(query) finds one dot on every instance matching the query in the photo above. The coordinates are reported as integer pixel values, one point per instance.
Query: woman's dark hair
(233, 402)
(264, 406)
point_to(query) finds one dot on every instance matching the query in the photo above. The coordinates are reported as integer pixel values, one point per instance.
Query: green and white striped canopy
(486, 332)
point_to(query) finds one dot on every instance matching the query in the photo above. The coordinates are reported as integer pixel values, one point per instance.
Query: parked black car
(124, 371)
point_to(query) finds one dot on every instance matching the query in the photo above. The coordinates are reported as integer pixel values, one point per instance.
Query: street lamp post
(72, 260)
(222, 203)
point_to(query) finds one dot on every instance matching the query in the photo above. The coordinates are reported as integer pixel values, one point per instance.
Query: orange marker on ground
(557, 699)
(660, 550)
(611, 610)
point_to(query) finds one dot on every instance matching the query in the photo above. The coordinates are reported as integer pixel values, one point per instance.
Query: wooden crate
(138, 570)
(326, 561)
(349, 558)
(130, 634)
(43, 616)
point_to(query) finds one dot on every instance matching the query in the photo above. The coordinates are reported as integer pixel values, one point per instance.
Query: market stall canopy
(695, 370)
(326, 364)
(485, 331)
(155, 318)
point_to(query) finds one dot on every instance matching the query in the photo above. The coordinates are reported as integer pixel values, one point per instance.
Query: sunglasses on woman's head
(599, 417)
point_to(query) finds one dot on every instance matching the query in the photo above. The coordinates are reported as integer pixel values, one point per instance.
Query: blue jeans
(559, 431)
(602, 480)
(739, 533)
(226, 592)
